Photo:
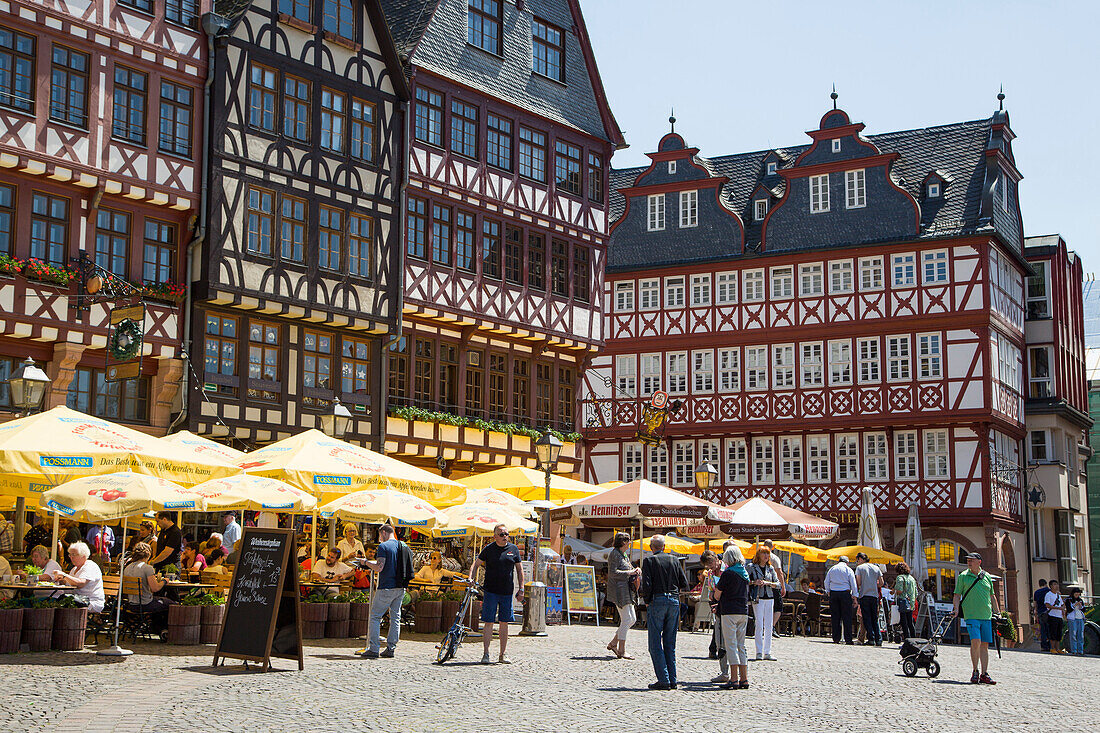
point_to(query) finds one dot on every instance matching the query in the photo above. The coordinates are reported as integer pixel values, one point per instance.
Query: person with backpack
(393, 564)
(975, 597)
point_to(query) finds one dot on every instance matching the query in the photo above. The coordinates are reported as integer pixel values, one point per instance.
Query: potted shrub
(185, 620)
(38, 626)
(32, 572)
(339, 614)
(358, 614)
(314, 616)
(10, 265)
(452, 601)
(213, 612)
(11, 626)
(429, 612)
(70, 621)
(171, 571)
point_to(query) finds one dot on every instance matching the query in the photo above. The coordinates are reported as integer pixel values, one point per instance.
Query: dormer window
(770, 169)
(934, 190)
(671, 167)
(759, 209)
(836, 145)
(656, 212)
(548, 50)
(483, 24)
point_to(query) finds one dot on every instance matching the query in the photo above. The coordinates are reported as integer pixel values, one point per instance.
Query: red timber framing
(103, 180)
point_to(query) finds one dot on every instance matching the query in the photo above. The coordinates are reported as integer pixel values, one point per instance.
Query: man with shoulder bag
(974, 596)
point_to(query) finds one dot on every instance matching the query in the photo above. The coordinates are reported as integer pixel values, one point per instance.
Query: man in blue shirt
(101, 538)
(231, 533)
(1041, 614)
(388, 594)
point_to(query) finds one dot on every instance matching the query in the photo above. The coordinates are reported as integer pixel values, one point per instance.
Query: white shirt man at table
(231, 532)
(331, 570)
(6, 576)
(840, 586)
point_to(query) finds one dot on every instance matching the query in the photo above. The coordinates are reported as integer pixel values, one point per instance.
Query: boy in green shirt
(977, 607)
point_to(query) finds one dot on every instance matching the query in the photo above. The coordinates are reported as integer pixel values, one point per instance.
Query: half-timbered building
(298, 282)
(100, 104)
(1056, 413)
(824, 318)
(505, 229)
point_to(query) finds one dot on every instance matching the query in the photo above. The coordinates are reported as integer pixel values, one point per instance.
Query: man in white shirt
(869, 580)
(1056, 609)
(331, 569)
(840, 585)
(232, 531)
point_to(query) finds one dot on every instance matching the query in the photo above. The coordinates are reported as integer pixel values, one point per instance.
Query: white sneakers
(769, 657)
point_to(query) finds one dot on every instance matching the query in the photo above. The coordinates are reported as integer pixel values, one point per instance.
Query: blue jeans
(385, 599)
(663, 614)
(1076, 635)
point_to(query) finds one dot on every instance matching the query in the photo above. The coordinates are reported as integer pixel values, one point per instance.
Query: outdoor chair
(814, 622)
(703, 615)
(104, 621)
(791, 619)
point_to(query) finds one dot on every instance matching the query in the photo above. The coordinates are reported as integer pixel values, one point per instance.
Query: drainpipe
(214, 26)
(397, 265)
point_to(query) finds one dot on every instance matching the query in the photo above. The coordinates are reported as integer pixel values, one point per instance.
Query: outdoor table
(51, 587)
(322, 584)
(182, 585)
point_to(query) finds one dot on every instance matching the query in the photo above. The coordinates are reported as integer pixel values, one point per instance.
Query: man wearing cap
(840, 584)
(974, 595)
(231, 533)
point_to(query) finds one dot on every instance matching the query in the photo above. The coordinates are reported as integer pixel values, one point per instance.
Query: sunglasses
(502, 534)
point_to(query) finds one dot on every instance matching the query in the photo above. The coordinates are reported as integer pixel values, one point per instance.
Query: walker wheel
(933, 668)
(909, 667)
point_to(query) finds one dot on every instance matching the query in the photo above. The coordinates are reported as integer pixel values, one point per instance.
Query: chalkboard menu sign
(262, 615)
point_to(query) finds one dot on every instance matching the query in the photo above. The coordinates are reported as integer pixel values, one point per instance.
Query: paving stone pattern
(566, 682)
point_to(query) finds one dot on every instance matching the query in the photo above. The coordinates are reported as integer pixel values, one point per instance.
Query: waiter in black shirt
(169, 541)
(663, 579)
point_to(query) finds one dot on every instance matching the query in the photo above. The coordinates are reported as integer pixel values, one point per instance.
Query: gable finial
(834, 96)
(672, 118)
(1001, 98)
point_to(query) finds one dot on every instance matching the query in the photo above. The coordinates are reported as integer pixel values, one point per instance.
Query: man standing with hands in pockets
(501, 558)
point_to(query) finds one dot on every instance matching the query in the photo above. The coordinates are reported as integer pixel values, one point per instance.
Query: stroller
(921, 653)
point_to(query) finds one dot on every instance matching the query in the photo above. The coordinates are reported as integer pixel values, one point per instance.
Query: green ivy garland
(125, 342)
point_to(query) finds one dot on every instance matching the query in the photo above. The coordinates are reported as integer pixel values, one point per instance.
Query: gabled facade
(100, 152)
(505, 228)
(298, 281)
(826, 318)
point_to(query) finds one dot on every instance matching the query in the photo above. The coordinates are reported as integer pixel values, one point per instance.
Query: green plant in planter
(353, 596)
(66, 601)
(170, 569)
(213, 599)
(10, 265)
(315, 598)
(10, 604)
(430, 595)
(32, 569)
(195, 598)
(453, 594)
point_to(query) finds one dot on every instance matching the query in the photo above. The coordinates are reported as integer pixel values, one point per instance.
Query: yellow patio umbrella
(52, 447)
(202, 447)
(376, 506)
(469, 520)
(611, 484)
(672, 544)
(501, 499)
(530, 485)
(327, 467)
(879, 557)
(811, 554)
(699, 547)
(254, 493)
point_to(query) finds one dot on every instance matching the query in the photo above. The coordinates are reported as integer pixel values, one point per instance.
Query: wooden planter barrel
(336, 625)
(69, 625)
(429, 617)
(38, 628)
(475, 615)
(450, 610)
(211, 623)
(314, 616)
(358, 619)
(11, 629)
(184, 624)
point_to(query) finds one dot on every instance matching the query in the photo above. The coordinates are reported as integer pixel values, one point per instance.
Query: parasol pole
(115, 650)
(313, 540)
(56, 532)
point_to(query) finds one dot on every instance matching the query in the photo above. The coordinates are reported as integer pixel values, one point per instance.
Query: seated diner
(85, 577)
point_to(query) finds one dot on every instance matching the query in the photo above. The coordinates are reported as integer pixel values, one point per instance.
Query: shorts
(1054, 628)
(778, 606)
(496, 607)
(980, 629)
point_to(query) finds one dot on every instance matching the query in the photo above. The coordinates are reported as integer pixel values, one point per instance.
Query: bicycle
(458, 631)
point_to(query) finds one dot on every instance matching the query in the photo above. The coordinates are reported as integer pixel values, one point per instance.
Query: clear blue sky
(754, 75)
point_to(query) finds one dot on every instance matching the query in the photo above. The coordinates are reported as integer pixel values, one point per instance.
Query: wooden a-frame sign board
(263, 617)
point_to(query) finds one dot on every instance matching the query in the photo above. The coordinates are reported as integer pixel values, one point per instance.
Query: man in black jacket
(662, 580)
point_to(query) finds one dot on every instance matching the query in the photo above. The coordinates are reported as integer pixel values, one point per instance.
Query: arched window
(943, 557)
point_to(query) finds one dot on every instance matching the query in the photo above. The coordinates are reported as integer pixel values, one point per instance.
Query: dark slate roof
(956, 150)
(231, 9)
(433, 34)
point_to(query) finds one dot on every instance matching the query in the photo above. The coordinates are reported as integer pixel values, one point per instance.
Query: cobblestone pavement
(565, 682)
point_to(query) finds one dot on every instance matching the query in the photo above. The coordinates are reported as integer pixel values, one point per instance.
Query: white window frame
(904, 269)
(759, 209)
(624, 296)
(876, 455)
(633, 461)
(763, 461)
(689, 209)
(1036, 383)
(737, 462)
(651, 374)
(725, 288)
(847, 457)
(855, 187)
(1038, 298)
(656, 209)
(813, 365)
(811, 280)
(870, 273)
(818, 459)
(753, 286)
(935, 267)
(677, 362)
(819, 193)
(675, 292)
(935, 454)
(657, 465)
(626, 374)
(671, 167)
(905, 455)
(933, 190)
(899, 364)
(729, 370)
(771, 168)
(649, 294)
(840, 362)
(683, 463)
(836, 144)
(840, 277)
(702, 371)
(929, 355)
(790, 459)
(700, 291)
(870, 365)
(1047, 447)
(756, 368)
(782, 282)
(783, 366)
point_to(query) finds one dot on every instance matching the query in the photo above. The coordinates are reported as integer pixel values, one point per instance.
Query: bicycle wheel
(447, 647)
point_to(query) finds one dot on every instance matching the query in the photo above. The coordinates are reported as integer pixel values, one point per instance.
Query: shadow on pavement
(596, 658)
(58, 659)
(232, 670)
